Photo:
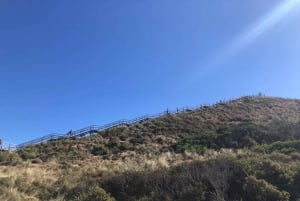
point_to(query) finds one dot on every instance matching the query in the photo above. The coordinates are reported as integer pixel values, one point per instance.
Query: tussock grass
(226, 141)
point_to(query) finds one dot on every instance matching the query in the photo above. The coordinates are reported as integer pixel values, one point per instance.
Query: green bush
(124, 146)
(295, 193)
(259, 189)
(94, 193)
(113, 142)
(188, 182)
(9, 158)
(27, 154)
(196, 143)
(285, 147)
(99, 150)
(137, 140)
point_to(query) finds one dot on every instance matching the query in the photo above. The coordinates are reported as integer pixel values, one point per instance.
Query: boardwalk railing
(92, 130)
(7, 146)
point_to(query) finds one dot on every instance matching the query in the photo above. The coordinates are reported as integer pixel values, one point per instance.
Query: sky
(70, 64)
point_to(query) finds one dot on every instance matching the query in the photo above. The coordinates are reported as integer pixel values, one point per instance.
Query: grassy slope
(164, 133)
(261, 157)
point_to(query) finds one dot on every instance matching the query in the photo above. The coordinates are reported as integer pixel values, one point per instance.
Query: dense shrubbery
(261, 137)
(225, 178)
(195, 181)
(243, 123)
(9, 158)
(196, 143)
(245, 135)
(88, 193)
(285, 147)
(258, 189)
(217, 179)
(248, 177)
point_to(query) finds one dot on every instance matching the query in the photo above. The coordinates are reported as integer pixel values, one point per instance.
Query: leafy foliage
(258, 189)
(285, 147)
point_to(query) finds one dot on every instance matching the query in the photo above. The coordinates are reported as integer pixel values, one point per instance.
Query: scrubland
(244, 149)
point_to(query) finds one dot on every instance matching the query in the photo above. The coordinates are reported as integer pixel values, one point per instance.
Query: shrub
(27, 154)
(114, 142)
(192, 181)
(196, 143)
(285, 147)
(94, 193)
(9, 158)
(99, 150)
(259, 189)
(295, 194)
(125, 146)
(137, 140)
(36, 161)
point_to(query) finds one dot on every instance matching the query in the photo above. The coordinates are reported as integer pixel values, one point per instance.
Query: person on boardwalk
(69, 134)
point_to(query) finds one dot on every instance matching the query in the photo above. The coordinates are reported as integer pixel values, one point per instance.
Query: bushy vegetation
(242, 123)
(285, 147)
(242, 150)
(88, 193)
(9, 158)
(245, 176)
(259, 189)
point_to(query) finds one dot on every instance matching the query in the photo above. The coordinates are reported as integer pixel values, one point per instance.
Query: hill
(243, 122)
(225, 151)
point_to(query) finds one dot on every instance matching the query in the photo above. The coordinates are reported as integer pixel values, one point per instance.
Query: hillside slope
(243, 122)
(247, 149)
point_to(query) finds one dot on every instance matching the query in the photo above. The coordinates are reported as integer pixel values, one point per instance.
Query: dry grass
(149, 144)
(27, 174)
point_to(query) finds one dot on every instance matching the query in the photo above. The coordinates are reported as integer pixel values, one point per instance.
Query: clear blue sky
(69, 64)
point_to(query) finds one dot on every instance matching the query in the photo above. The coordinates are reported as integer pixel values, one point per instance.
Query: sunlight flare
(263, 25)
(253, 32)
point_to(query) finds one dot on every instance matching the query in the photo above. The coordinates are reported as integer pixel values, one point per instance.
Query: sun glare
(263, 25)
(254, 31)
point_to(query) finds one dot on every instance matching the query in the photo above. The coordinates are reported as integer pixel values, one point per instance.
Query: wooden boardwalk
(90, 130)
